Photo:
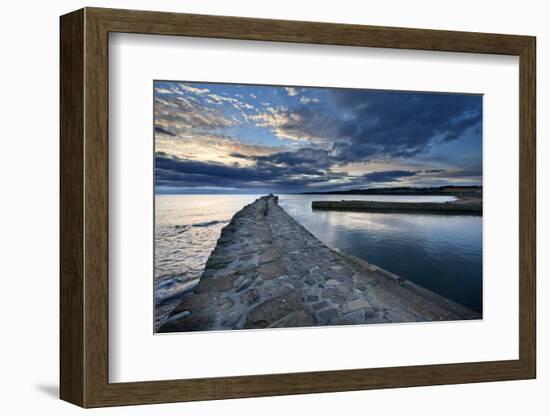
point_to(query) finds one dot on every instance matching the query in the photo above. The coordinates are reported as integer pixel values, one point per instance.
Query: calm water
(441, 253)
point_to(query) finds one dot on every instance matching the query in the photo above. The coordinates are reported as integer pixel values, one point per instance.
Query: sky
(237, 138)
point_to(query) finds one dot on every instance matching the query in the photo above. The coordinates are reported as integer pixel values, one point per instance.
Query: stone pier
(268, 271)
(463, 206)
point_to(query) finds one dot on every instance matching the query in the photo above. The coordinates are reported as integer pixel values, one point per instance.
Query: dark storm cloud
(465, 173)
(176, 172)
(302, 160)
(400, 124)
(163, 131)
(388, 175)
(302, 123)
(359, 125)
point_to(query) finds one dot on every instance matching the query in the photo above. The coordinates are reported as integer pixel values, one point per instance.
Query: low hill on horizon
(405, 190)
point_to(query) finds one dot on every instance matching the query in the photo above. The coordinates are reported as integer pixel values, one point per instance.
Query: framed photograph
(257, 207)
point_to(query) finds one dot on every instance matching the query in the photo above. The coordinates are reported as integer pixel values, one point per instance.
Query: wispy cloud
(291, 91)
(308, 100)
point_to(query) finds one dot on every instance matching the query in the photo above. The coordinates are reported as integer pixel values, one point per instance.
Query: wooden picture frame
(84, 207)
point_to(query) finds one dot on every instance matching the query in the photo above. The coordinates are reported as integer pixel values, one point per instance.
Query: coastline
(269, 271)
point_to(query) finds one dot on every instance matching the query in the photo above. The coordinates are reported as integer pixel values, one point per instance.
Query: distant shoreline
(440, 190)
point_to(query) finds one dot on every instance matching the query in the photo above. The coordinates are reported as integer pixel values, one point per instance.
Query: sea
(442, 253)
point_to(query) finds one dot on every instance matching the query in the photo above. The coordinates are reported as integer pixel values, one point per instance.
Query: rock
(188, 323)
(243, 284)
(229, 320)
(216, 284)
(312, 298)
(320, 305)
(342, 321)
(218, 262)
(250, 297)
(178, 315)
(355, 305)
(334, 295)
(246, 257)
(298, 284)
(273, 310)
(268, 255)
(225, 305)
(373, 314)
(313, 269)
(328, 314)
(193, 302)
(278, 290)
(271, 270)
(295, 319)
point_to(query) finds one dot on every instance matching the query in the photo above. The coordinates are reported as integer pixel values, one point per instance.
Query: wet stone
(312, 298)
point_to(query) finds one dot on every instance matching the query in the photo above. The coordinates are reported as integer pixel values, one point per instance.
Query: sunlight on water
(441, 253)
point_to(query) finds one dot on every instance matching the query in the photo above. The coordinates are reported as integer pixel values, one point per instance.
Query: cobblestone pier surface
(268, 271)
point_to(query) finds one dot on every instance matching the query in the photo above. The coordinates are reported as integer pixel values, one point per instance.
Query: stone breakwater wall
(268, 271)
(467, 206)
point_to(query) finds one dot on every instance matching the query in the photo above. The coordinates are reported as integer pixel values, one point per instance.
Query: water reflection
(441, 253)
